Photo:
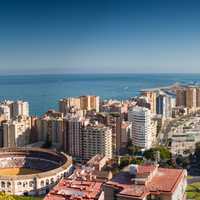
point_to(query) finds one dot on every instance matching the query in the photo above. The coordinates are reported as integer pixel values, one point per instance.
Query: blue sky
(99, 36)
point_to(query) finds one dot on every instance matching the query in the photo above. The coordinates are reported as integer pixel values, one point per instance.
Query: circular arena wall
(32, 171)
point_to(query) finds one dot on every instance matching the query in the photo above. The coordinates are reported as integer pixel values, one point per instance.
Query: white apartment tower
(20, 108)
(141, 126)
(17, 133)
(5, 111)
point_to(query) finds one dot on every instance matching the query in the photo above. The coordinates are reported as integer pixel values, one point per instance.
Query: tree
(4, 196)
(165, 154)
(150, 154)
(124, 162)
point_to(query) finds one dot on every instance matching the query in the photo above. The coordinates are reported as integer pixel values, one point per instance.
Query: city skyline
(99, 37)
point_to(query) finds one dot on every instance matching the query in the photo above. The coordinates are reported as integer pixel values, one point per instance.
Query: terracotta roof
(143, 169)
(164, 181)
(75, 190)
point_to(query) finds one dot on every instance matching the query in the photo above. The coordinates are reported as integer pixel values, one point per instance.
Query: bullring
(31, 171)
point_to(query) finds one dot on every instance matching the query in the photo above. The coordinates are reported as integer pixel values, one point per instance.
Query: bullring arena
(31, 171)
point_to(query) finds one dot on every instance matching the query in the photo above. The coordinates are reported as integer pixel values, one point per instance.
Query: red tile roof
(75, 190)
(163, 181)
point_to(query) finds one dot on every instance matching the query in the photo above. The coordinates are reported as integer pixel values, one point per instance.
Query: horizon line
(101, 73)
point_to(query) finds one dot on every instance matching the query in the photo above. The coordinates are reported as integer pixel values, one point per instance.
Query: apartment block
(151, 95)
(16, 133)
(140, 118)
(73, 138)
(191, 97)
(97, 139)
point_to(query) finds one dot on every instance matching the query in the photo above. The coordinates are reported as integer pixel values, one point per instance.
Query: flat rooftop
(68, 189)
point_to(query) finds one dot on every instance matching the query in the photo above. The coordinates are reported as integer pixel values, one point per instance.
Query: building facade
(140, 118)
(73, 138)
(97, 139)
(151, 95)
(163, 106)
(181, 97)
(16, 133)
(191, 97)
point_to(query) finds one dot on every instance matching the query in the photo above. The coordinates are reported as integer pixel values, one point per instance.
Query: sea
(44, 91)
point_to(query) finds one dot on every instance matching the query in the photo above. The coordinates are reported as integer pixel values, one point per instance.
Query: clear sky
(99, 36)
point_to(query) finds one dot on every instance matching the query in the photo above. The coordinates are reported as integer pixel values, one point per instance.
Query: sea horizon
(43, 91)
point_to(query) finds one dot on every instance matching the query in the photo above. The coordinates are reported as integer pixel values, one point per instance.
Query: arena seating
(42, 163)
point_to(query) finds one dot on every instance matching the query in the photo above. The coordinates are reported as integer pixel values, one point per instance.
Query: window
(3, 184)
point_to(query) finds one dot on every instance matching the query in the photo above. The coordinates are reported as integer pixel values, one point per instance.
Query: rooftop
(75, 190)
(162, 180)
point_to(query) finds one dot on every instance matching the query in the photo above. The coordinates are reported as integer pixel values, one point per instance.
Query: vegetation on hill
(193, 191)
(4, 196)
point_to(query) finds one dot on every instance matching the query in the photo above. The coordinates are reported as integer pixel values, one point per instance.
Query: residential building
(181, 97)
(16, 133)
(126, 134)
(5, 112)
(191, 97)
(76, 190)
(89, 103)
(73, 139)
(140, 118)
(66, 104)
(198, 97)
(154, 131)
(114, 121)
(97, 139)
(151, 95)
(20, 108)
(147, 182)
(1, 135)
(79, 103)
(50, 130)
(163, 106)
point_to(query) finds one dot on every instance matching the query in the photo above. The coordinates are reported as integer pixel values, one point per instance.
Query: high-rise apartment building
(154, 130)
(114, 121)
(83, 102)
(89, 103)
(16, 133)
(163, 105)
(181, 97)
(191, 97)
(50, 130)
(151, 95)
(198, 97)
(5, 112)
(66, 104)
(20, 108)
(126, 134)
(97, 139)
(11, 110)
(141, 126)
(73, 140)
